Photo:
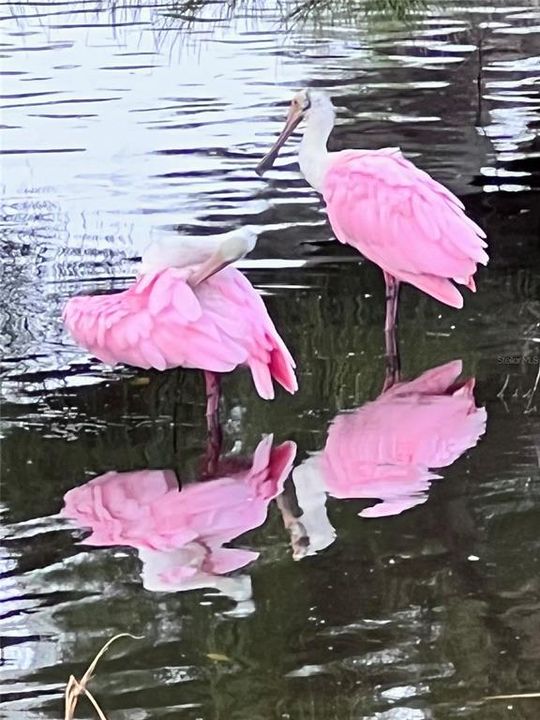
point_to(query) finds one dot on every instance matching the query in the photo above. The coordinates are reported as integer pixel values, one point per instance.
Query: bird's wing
(234, 305)
(162, 322)
(159, 322)
(271, 467)
(399, 217)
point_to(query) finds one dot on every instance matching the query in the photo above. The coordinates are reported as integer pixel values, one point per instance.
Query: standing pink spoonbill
(188, 308)
(395, 214)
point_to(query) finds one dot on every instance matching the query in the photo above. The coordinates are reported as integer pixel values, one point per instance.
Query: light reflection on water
(123, 136)
(153, 135)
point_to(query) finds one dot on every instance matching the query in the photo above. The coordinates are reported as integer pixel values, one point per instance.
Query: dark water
(118, 130)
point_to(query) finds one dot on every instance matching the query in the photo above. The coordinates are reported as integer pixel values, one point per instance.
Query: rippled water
(369, 582)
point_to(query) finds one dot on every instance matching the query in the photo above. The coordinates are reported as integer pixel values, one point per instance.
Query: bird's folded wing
(400, 218)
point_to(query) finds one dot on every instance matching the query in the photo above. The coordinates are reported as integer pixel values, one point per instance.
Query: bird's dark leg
(213, 392)
(393, 366)
(215, 435)
(392, 297)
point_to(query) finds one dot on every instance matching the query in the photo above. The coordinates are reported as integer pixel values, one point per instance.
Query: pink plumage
(162, 322)
(400, 218)
(395, 214)
(180, 533)
(387, 448)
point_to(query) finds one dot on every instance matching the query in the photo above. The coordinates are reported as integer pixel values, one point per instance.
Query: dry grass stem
(75, 688)
(517, 696)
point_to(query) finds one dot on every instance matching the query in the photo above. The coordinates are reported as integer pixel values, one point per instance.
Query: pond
(346, 554)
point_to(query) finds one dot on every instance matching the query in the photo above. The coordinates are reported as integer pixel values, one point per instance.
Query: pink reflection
(387, 448)
(180, 534)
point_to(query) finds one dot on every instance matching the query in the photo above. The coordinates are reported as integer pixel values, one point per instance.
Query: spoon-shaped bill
(294, 117)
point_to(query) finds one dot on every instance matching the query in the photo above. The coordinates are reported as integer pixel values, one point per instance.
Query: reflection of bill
(386, 450)
(180, 534)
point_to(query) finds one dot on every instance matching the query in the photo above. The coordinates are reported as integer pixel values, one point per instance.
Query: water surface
(119, 130)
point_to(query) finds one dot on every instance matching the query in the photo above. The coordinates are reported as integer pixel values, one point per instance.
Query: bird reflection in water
(180, 533)
(386, 450)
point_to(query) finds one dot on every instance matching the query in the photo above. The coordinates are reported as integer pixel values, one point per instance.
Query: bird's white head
(310, 105)
(319, 102)
(232, 246)
(236, 244)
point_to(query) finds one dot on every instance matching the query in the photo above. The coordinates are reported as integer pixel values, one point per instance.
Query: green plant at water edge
(317, 10)
(297, 11)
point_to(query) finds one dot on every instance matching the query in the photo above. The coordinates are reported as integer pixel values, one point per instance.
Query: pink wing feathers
(232, 297)
(388, 447)
(162, 322)
(184, 529)
(400, 218)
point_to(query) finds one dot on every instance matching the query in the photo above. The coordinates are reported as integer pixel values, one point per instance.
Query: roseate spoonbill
(387, 450)
(395, 214)
(188, 309)
(180, 533)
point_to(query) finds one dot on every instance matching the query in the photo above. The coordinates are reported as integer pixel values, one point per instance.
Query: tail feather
(440, 288)
(262, 379)
(282, 370)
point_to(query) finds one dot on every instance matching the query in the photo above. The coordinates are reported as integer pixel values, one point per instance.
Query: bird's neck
(313, 155)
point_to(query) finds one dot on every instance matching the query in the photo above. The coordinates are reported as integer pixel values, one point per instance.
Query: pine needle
(517, 696)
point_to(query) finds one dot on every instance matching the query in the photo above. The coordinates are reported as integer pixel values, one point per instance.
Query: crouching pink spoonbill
(190, 309)
(395, 214)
